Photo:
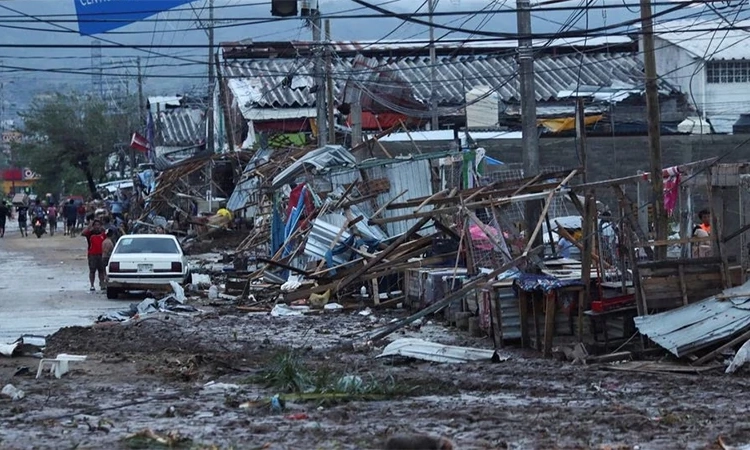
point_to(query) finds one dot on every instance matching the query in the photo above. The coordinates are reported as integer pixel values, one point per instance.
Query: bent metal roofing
(288, 82)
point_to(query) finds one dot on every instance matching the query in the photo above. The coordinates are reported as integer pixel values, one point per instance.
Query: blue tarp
(532, 282)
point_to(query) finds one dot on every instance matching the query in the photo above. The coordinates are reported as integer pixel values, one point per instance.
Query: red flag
(139, 143)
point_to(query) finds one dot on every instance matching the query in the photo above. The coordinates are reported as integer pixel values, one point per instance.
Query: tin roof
(698, 325)
(181, 127)
(288, 82)
(708, 39)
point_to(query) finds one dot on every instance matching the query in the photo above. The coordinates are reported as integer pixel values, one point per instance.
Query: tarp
(100, 16)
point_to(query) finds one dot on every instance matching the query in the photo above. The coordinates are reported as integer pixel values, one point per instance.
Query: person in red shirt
(95, 236)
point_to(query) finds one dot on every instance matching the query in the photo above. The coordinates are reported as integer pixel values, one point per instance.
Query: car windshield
(147, 245)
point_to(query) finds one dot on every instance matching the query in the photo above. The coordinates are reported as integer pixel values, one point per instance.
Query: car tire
(113, 293)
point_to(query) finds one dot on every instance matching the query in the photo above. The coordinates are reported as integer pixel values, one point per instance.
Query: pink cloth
(671, 193)
(480, 239)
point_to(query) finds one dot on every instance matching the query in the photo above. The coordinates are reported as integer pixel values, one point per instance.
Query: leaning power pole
(434, 123)
(654, 128)
(530, 138)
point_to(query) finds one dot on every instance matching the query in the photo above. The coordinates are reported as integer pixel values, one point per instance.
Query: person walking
(5, 213)
(52, 218)
(95, 238)
(70, 214)
(81, 216)
(22, 213)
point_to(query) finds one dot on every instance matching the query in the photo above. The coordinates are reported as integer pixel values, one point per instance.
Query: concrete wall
(677, 66)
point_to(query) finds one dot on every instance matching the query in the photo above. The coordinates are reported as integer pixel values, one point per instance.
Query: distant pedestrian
(95, 237)
(52, 217)
(4, 214)
(564, 248)
(107, 246)
(70, 214)
(22, 212)
(81, 216)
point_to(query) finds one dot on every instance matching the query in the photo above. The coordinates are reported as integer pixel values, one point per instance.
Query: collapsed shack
(440, 232)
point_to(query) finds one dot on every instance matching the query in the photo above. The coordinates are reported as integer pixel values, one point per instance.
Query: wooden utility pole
(329, 85)
(581, 136)
(319, 76)
(434, 123)
(654, 128)
(211, 77)
(530, 138)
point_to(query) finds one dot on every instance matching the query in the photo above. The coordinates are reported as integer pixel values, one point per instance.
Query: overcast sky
(163, 29)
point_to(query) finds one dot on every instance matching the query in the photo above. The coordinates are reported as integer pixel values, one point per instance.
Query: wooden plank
(549, 323)
(683, 287)
(496, 319)
(564, 233)
(545, 210)
(474, 284)
(389, 202)
(669, 263)
(393, 246)
(712, 354)
(661, 243)
(588, 246)
(627, 206)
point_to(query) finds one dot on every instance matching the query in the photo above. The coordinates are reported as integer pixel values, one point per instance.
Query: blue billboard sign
(100, 16)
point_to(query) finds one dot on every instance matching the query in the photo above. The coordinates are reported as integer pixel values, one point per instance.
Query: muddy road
(208, 381)
(44, 285)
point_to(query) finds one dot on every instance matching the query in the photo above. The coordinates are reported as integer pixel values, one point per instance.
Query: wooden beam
(589, 220)
(386, 204)
(683, 286)
(471, 195)
(393, 246)
(539, 223)
(712, 354)
(627, 206)
(455, 295)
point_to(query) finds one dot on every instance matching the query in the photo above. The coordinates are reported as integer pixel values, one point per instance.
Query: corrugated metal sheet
(261, 83)
(320, 238)
(182, 127)
(325, 157)
(413, 176)
(712, 41)
(692, 327)
(235, 49)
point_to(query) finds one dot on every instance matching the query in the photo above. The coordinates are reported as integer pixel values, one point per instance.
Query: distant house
(179, 125)
(270, 86)
(710, 64)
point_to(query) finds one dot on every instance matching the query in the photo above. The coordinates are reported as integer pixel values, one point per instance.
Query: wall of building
(607, 157)
(727, 98)
(682, 70)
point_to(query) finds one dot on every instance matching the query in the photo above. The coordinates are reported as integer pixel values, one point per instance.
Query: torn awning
(315, 161)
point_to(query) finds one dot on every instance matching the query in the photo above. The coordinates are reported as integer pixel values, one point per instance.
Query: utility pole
(581, 135)
(141, 103)
(320, 84)
(141, 113)
(654, 128)
(434, 123)
(329, 85)
(530, 137)
(211, 77)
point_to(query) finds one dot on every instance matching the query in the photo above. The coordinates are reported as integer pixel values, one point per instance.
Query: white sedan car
(145, 261)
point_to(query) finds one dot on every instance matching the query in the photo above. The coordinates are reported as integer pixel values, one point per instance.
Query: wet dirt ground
(205, 382)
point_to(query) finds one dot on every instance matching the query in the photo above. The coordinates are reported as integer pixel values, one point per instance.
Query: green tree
(70, 138)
